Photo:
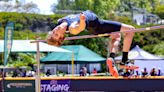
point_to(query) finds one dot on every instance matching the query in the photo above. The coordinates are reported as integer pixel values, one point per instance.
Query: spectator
(85, 71)
(144, 72)
(126, 73)
(121, 72)
(48, 73)
(24, 73)
(94, 71)
(20, 72)
(30, 73)
(137, 74)
(1, 73)
(159, 72)
(81, 72)
(153, 72)
(15, 73)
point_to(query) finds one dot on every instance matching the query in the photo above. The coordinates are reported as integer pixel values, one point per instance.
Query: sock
(125, 57)
(112, 55)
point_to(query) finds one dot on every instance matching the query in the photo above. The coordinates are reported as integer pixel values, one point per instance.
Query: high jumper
(88, 20)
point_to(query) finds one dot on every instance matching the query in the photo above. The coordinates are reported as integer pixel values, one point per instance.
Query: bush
(18, 27)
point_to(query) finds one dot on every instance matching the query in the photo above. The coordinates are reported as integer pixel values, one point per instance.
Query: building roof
(27, 46)
(81, 55)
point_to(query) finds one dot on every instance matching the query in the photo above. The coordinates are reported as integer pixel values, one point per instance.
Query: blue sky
(43, 5)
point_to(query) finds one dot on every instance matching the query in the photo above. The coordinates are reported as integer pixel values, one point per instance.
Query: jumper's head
(56, 36)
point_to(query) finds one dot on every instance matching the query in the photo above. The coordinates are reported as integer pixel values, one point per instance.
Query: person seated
(126, 73)
(94, 71)
(144, 72)
(153, 72)
(81, 72)
(137, 74)
(159, 72)
(48, 73)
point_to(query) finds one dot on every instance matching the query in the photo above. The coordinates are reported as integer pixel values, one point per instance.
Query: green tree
(159, 10)
(100, 7)
(21, 59)
(64, 4)
(159, 49)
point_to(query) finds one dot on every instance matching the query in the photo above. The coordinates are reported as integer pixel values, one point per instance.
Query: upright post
(37, 79)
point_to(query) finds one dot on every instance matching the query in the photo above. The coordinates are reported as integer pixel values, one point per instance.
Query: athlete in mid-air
(88, 20)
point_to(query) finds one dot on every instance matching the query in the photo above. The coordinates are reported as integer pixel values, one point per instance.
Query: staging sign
(55, 85)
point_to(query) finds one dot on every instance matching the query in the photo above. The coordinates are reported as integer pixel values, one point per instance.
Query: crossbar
(108, 34)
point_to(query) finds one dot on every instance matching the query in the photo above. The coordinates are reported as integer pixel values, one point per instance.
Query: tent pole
(72, 63)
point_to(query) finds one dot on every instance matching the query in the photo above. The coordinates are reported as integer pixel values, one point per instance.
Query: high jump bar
(108, 34)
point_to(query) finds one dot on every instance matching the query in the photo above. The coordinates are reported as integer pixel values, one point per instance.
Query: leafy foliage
(21, 59)
(159, 48)
(159, 10)
(100, 7)
(24, 21)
